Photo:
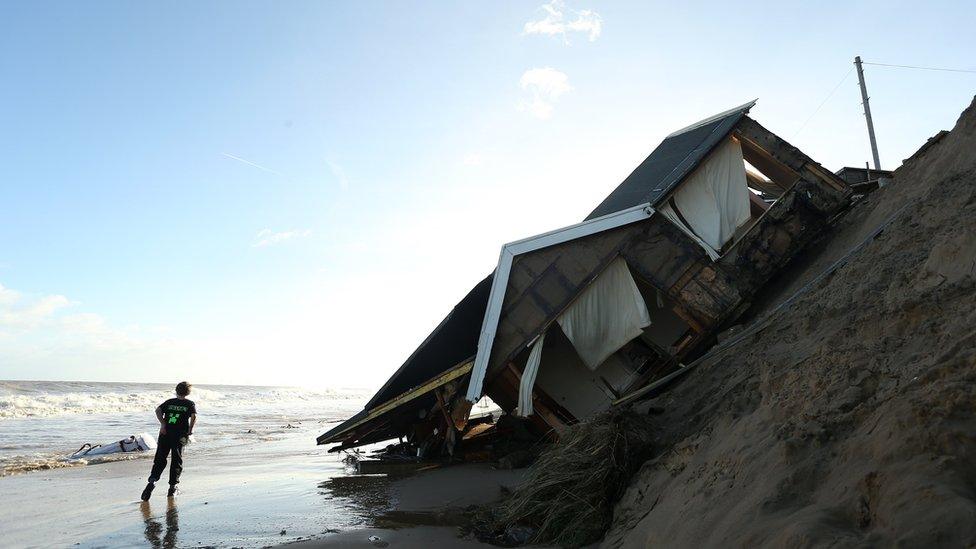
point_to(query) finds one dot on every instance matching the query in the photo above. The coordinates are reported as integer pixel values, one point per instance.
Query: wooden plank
(771, 143)
(397, 401)
(760, 183)
(442, 404)
(779, 173)
(830, 179)
(784, 152)
(757, 206)
(542, 412)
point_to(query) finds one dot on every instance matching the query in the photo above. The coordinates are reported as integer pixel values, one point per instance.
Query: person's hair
(183, 388)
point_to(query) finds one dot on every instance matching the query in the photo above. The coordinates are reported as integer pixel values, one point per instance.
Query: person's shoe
(173, 491)
(147, 491)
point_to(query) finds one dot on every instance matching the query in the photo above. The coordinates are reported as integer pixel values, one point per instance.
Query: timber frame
(364, 429)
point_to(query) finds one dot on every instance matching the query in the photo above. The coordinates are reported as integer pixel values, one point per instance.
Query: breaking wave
(14, 465)
(47, 399)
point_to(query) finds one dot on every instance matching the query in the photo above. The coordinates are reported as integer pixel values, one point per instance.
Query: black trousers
(168, 444)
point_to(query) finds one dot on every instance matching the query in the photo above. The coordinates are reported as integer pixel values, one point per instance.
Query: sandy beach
(253, 478)
(243, 505)
(270, 498)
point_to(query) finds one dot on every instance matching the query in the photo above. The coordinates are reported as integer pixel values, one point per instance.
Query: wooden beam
(761, 184)
(783, 152)
(780, 174)
(830, 179)
(757, 206)
(399, 400)
(542, 411)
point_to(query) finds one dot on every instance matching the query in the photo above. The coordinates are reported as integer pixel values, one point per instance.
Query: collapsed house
(574, 320)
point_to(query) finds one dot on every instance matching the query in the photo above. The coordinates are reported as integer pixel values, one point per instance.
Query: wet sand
(424, 509)
(245, 499)
(282, 492)
(416, 537)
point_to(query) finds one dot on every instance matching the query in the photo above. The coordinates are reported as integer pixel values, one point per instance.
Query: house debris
(864, 180)
(577, 319)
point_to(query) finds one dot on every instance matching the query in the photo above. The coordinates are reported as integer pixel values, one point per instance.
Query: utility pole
(867, 112)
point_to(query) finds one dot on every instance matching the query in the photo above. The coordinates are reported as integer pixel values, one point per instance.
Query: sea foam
(24, 399)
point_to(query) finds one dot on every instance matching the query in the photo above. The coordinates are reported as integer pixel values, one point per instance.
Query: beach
(252, 478)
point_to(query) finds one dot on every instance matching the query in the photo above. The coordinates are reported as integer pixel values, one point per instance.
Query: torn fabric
(714, 200)
(668, 212)
(528, 378)
(609, 313)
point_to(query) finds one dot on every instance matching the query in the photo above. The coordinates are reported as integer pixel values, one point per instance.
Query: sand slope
(849, 420)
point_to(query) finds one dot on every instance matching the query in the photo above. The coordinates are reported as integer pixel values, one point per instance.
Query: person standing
(177, 417)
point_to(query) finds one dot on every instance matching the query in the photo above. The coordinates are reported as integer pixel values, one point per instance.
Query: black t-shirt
(176, 415)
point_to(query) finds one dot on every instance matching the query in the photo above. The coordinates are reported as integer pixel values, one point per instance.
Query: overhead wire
(918, 67)
(822, 103)
(848, 73)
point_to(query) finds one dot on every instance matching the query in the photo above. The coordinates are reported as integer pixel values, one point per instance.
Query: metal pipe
(867, 112)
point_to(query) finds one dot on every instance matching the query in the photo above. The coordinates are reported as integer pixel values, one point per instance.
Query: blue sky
(296, 193)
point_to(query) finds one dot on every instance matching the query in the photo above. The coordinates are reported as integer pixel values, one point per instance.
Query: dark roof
(342, 426)
(670, 162)
(453, 340)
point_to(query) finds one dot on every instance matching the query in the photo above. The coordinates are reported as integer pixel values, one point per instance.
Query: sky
(296, 193)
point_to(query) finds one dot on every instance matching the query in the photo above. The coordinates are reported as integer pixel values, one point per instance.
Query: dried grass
(570, 491)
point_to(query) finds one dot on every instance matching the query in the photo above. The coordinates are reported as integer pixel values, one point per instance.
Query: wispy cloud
(249, 163)
(556, 22)
(23, 312)
(543, 87)
(267, 237)
(473, 159)
(43, 333)
(339, 174)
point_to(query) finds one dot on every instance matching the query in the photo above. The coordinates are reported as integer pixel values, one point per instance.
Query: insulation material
(714, 200)
(528, 378)
(608, 314)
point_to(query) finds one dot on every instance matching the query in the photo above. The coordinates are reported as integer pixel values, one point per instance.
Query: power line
(822, 103)
(919, 68)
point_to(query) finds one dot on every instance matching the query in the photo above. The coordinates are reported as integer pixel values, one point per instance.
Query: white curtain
(609, 313)
(528, 378)
(668, 212)
(714, 199)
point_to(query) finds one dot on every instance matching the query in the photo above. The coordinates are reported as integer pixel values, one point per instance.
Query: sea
(253, 475)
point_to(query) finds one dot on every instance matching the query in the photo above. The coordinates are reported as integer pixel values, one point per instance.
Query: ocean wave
(16, 465)
(46, 399)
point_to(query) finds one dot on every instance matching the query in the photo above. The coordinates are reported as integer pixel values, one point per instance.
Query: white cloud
(544, 86)
(7, 296)
(473, 159)
(91, 331)
(555, 22)
(17, 311)
(267, 237)
(37, 331)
